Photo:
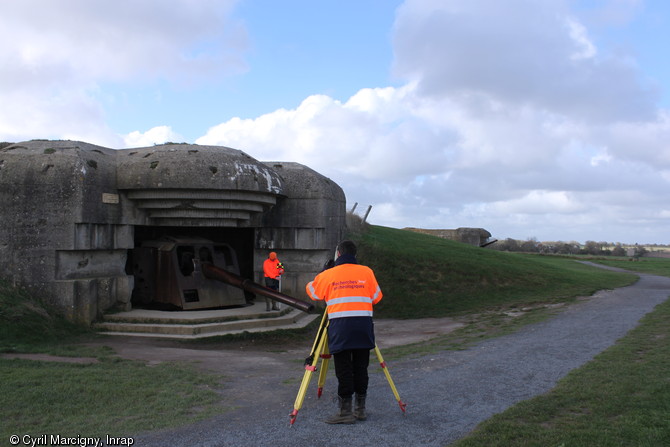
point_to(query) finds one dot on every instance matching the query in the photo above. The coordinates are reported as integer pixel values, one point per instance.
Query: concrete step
(202, 324)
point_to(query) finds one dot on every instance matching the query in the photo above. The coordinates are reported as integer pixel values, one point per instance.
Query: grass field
(111, 396)
(653, 266)
(104, 395)
(621, 398)
(421, 276)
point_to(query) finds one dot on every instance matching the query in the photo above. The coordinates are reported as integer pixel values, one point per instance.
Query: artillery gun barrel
(213, 272)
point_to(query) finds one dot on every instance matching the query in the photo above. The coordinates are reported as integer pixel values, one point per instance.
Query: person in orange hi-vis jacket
(350, 290)
(272, 271)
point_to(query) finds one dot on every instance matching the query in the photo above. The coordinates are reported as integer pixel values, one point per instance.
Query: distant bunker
(478, 237)
(92, 229)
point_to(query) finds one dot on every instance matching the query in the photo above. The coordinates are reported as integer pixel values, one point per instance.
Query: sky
(532, 119)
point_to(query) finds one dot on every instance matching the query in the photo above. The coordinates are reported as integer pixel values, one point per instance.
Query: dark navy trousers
(351, 369)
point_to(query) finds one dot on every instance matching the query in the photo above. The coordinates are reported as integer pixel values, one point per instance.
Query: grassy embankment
(422, 276)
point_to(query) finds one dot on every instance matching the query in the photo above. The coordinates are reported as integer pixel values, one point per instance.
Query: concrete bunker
(77, 216)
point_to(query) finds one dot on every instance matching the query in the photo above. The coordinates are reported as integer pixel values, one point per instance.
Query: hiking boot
(359, 410)
(345, 415)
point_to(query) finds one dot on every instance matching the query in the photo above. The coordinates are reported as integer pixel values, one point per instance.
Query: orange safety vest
(271, 268)
(349, 290)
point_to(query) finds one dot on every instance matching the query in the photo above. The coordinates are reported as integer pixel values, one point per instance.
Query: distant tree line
(593, 248)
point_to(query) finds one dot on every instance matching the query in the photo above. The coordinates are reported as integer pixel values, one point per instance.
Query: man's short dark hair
(347, 248)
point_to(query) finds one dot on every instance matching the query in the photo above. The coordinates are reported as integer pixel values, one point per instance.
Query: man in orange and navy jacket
(272, 271)
(350, 290)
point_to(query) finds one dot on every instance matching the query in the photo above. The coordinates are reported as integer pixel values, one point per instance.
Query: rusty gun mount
(217, 273)
(191, 273)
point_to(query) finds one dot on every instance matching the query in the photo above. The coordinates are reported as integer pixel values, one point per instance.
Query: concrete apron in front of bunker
(199, 324)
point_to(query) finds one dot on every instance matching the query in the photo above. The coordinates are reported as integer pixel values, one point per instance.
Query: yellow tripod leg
(388, 377)
(323, 326)
(325, 356)
(320, 343)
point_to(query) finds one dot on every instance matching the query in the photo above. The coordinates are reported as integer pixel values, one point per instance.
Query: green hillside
(426, 276)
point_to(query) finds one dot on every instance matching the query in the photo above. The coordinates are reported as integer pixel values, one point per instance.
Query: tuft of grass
(427, 276)
(621, 397)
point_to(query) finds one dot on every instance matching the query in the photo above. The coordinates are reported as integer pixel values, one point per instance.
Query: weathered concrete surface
(59, 234)
(175, 166)
(189, 185)
(309, 218)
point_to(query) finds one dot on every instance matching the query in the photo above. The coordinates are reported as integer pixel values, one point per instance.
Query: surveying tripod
(320, 351)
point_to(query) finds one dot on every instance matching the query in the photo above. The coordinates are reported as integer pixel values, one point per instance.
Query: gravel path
(447, 394)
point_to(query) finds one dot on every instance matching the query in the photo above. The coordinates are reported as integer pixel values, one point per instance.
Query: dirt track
(230, 358)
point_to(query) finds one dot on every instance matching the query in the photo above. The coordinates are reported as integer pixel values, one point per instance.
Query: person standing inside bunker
(272, 270)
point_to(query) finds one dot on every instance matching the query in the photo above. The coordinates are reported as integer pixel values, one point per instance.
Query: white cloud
(519, 52)
(511, 119)
(579, 35)
(61, 53)
(362, 137)
(601, 157)
(646, 141)
(432, 163)
(72, 40)
(539, 202)
(25, 115)
(156, 135)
